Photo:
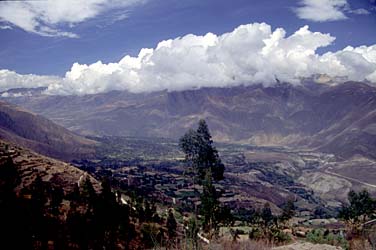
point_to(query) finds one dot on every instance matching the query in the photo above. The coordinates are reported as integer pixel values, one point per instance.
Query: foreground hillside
(49, 204)
(41, 135)
(337, 119)
(31, 165)
(38, 199)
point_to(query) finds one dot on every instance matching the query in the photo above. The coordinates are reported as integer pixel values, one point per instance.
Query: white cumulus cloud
(46, 17)
(250, 54)
(326, 10)
(10, 79)
(322, 10)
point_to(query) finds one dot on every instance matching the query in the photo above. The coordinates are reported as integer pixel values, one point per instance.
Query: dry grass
(360, 244)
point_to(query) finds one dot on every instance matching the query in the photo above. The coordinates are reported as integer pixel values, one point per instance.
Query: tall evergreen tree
(200, 152)
(203, 157)
(209, 204)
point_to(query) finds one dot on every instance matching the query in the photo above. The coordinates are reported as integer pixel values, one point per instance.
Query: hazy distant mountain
(339, 119)
(41, 135)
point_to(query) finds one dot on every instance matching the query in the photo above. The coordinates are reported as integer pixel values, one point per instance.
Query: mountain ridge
(41, 135)
(313, 116)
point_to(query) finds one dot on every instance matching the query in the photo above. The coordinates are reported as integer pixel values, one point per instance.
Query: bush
(320, 236)
(279, 236)
(273, 234)
(255, 233)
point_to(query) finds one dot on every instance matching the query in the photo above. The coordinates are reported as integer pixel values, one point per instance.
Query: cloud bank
(46, 17)
(326, 10)
(10, 79)
(250, 54)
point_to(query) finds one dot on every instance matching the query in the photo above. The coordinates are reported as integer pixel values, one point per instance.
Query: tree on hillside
(200, 152)
(207, 166)
(267, 215)
(288, 211)
(209, 205)
(360, 208)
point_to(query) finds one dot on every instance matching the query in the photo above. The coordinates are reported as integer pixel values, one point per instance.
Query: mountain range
(338, 119)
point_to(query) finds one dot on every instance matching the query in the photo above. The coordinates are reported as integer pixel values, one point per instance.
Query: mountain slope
(337, 119)
(29, 165)
(38, 133)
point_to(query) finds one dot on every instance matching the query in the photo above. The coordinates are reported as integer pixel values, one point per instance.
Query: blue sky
(153, 21)
(56, 37)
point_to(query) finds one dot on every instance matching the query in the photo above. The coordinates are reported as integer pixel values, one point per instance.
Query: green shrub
(272, 234)
(279, 236)
(320, 236)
